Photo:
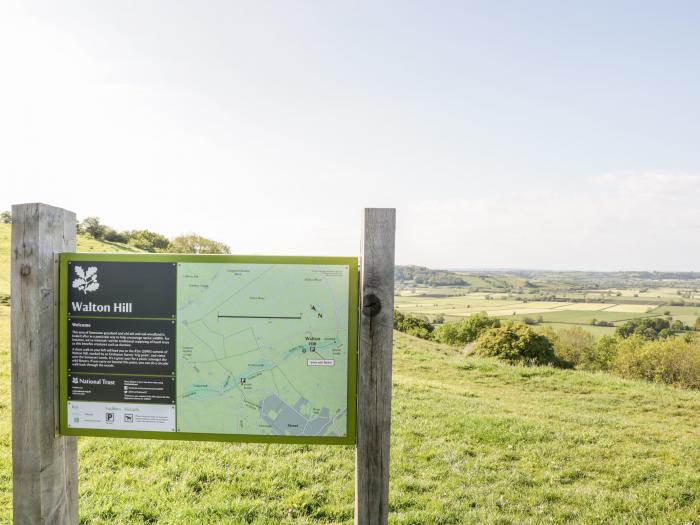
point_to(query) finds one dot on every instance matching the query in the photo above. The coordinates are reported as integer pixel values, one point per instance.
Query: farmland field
(454, 304)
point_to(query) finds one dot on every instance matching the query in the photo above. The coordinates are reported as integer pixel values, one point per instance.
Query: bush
(603, 355)
(516, 342)
(112, 235)
(412, 325)
(466, 330)
(674, 361)
(194, 243)
(574, 345)
(148, 240)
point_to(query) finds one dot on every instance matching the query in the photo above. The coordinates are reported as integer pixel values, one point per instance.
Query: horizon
(539, 135)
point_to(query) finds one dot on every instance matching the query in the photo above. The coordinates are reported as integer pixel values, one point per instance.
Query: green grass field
(473, 441)
(4, 259)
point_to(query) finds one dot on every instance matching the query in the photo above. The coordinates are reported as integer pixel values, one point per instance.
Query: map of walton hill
(262, 349)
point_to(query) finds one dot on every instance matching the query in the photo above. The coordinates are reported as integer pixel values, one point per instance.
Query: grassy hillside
(85, 244)
(473, 441)
(4, 259)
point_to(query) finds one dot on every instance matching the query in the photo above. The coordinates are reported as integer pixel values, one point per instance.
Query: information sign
(199, 347)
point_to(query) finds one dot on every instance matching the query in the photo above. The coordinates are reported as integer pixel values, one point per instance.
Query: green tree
(148, 241)
(193, 243)
(516, 342)
(677, 325)
(6, 217)
(93, 227)
(650, 328)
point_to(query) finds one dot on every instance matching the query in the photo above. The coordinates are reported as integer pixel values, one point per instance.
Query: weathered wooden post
(44, 465)
(374, 367)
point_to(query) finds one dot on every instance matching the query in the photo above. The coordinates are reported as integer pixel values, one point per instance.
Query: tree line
(150, 241)
(146, 240)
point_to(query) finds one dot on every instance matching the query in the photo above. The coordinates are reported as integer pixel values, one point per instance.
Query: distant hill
(427, 277)
(498, 280)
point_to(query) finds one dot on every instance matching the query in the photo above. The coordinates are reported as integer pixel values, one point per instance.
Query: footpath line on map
(298, 317)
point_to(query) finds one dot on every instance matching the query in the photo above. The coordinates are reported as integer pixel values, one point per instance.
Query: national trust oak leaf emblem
(86, 280)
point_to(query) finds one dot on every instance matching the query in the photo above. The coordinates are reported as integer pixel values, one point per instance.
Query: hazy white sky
(507, 134)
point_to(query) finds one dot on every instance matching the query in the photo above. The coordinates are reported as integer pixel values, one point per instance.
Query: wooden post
(374, 367)
(44, 465)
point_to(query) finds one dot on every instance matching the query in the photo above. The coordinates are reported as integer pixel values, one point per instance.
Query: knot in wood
(372, 305)
(25, 269)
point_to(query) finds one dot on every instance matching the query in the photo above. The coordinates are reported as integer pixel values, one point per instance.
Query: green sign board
(208, 347)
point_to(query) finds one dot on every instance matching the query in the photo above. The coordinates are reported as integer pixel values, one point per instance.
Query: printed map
(262, 349)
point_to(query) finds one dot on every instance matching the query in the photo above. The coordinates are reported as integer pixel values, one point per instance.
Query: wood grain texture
(374, 367)
(44, 465)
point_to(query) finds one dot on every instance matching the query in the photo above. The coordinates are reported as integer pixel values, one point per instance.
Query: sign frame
(353, 336)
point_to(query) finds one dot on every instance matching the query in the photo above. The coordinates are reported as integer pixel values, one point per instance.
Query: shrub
(412, 325)
(574, 345)
(603, 354)
(148, 240)
(466, 330)
(112, 235)
(516, 342)
(193, 243)
(674, 361)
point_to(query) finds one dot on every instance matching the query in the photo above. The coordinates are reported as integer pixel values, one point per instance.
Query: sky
(545, 135)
